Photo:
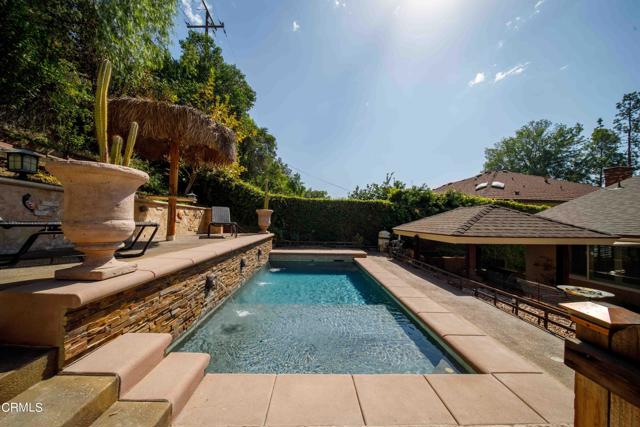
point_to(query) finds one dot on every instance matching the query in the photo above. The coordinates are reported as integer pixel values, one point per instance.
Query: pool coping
(462, 342)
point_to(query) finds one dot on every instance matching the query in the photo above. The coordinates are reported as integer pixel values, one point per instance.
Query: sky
(354, 89)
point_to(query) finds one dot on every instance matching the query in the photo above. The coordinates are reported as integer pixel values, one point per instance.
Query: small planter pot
(97, 215)
(264, 219)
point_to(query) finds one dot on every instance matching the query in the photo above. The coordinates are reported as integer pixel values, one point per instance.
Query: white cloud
(538, 4)
(295, 26)
(479, 78)
(564, 67)
(500, 44)
(514, 24)
(518, 69)
(340, 3)
(188, 8)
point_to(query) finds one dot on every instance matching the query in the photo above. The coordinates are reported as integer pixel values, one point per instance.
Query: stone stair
(23, 366)
(127, 382)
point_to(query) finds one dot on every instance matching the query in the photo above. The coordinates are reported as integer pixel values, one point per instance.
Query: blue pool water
(295, 317)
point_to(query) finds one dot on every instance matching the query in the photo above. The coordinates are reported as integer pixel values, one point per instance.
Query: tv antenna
(208, 22)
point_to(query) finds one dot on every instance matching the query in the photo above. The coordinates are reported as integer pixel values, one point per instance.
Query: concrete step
(22, 366)
(130, 357)
(136, 414)
(173, 380)
(61, 401)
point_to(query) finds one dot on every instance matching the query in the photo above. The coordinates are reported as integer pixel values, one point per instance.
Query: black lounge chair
(49, 228)
(221, 216)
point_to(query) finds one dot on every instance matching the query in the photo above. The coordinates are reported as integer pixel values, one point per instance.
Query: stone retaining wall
(170, 304)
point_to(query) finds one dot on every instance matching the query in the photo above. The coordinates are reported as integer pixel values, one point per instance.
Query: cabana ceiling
(490, 224)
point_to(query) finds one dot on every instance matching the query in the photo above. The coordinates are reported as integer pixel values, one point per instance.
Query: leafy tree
(43, 86)
(49, 54)
(374, 191)
(540, 148)
(627, 122)
(600, 152)
(201, 78)
(316, 194)
(133, 34)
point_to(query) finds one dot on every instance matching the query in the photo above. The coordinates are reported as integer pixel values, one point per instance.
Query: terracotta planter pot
(264, 219)
(98, 214)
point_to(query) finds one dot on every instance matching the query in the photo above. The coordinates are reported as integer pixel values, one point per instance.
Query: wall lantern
(23, 162)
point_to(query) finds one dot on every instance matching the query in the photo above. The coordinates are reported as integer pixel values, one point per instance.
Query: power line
(208, 21)
(318, 178)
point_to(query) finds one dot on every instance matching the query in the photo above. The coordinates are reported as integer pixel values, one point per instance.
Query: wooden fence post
(606, 358)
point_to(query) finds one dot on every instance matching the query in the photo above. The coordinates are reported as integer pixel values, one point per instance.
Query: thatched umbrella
(174, 131)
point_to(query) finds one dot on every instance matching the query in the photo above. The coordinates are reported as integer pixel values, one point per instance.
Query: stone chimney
(615, 174)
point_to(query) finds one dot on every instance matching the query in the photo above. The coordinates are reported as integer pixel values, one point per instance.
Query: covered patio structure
(546, 241)
(178, 133)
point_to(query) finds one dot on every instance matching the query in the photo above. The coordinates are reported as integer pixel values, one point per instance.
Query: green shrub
(332, 220)
(297, 218)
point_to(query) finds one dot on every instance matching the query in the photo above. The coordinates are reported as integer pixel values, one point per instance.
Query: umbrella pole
(174, 159)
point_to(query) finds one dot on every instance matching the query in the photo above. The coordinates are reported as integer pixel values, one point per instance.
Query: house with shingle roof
(591, 241)
(506, 185)
(545, 240)
(615, 210)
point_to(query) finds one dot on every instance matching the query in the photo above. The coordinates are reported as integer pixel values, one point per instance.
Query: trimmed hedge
(332, 220)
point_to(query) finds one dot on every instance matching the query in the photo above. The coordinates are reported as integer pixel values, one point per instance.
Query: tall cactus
(131, 141)
(116, 150)
(100, 111)
(267, 197)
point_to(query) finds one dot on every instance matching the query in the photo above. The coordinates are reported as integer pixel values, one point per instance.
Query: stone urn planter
(264, 219)
(98, 214)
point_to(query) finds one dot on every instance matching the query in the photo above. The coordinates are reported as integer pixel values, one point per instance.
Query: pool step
(136, 414)
(130, 357)
(66, 400)
(173, 380)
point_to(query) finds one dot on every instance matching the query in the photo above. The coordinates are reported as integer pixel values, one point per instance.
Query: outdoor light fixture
(23, 162)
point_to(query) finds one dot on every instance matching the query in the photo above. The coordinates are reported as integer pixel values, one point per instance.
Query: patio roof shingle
(495, 222)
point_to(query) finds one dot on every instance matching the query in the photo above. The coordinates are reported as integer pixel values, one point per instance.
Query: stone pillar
(606, 358)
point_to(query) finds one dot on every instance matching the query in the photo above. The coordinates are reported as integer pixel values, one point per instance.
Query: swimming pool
(327, 317)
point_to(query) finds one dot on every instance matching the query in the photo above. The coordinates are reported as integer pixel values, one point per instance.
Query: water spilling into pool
(295, 317)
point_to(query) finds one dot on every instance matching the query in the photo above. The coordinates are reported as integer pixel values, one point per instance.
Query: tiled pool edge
(414, 315)
(484, 354)
(408, 296)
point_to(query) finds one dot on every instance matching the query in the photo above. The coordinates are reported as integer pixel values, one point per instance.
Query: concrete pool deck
(531, 343)
(508, 388)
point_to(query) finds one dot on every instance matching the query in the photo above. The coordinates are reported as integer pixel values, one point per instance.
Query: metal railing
(548, 317)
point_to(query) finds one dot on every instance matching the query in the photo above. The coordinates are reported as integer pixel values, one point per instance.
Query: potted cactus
(99, 197)
(264, 214)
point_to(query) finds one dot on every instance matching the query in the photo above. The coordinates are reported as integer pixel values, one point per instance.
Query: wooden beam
(174, 163)
(612, 372)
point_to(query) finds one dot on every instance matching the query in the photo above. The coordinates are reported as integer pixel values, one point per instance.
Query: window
(579, 260)
(615, 264)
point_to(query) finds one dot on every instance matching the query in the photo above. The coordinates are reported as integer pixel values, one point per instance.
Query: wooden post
(471, 261)
(606, 358)
(174, 163)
